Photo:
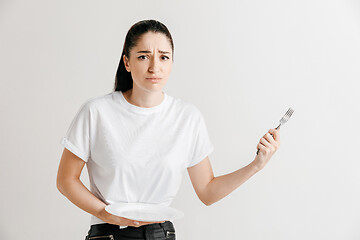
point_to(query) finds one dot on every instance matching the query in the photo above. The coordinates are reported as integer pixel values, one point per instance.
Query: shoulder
(90, 107)
(93, 103)
(187, 108)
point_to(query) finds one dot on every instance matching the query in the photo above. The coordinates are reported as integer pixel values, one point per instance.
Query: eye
(141, 57)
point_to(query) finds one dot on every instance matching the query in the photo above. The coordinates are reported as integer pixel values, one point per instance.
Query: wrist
(101, 214)
(254, 167)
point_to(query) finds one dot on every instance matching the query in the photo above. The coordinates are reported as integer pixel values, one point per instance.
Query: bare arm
(221, 186)
(211, 189)
(69, 184)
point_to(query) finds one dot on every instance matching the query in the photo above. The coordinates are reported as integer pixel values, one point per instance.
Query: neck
(144, 99)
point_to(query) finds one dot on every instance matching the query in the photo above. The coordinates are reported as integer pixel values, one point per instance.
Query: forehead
(151, 41)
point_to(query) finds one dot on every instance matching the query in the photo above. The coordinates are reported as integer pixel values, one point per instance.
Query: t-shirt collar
(138, 109)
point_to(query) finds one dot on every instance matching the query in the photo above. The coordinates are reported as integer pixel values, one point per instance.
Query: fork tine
(287, 115)
(289, 112)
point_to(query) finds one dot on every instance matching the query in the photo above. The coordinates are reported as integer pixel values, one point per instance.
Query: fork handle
(271, 135)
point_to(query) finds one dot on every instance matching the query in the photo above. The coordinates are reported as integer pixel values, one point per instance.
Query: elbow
(58, 185)
(206, 199)
(61, 184)
(207, 203)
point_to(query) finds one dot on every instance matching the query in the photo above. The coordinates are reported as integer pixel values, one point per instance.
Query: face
(150, 58)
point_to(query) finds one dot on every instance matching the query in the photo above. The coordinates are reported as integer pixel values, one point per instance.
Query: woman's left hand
(267, 146)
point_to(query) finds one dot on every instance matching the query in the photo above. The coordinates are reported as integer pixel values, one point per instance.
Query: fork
(283, 120)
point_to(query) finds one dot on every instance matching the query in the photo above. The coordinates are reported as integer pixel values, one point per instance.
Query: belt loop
(162, 225)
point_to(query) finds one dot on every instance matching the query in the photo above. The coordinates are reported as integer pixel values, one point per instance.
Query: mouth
(154, 79)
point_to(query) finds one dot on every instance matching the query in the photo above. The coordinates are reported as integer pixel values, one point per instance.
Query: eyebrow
(147, 51)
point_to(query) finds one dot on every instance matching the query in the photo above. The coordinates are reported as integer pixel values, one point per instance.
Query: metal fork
(283, 120)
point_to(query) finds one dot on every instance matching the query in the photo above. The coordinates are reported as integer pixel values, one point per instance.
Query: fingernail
(137, 223)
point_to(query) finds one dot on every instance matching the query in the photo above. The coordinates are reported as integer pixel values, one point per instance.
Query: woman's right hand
(121, 221)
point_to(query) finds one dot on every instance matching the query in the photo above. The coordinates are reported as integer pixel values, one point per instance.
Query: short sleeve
(202, 146)
(77, 138)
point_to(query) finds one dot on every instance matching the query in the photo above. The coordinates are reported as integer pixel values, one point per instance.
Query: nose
(154, 65)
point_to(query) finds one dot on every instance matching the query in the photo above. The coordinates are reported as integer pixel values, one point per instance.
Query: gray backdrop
(243, 63)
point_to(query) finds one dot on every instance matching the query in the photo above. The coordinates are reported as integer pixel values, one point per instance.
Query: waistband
(110, 227)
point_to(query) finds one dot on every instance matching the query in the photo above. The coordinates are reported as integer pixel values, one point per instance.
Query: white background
(243, 63)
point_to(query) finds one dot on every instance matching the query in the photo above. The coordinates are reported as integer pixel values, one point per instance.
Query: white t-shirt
(136, 154)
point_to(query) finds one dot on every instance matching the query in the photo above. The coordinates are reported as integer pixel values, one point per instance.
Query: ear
(126, 63)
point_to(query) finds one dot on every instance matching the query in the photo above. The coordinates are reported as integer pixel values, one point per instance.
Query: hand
(267, 146)
(121, 221)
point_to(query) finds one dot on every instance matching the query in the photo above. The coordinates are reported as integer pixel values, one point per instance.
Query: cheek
(139, 68)
(168, 68)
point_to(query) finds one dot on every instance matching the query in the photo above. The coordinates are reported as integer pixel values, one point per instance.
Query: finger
(131, 222)
(148, 222)
(270, 138)
(272, 145)
(261, 148)
(127, 221)
(276, 134)
(141, 223)
(265, 142)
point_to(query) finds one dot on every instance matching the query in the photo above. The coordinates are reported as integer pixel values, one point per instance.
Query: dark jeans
(155, 231)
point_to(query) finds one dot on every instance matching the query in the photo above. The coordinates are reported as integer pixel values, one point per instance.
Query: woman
(136, 142)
